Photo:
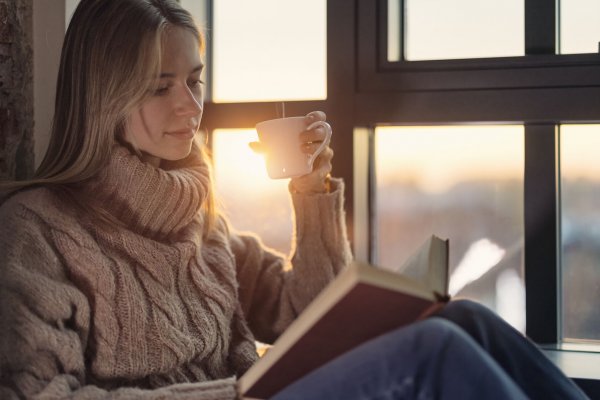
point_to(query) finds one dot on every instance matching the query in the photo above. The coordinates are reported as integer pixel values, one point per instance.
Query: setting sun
(252, 200)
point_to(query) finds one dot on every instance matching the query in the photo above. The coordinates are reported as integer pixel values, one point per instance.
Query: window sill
(575, 364)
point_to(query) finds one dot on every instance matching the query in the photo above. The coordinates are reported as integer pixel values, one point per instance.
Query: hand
(316, 181)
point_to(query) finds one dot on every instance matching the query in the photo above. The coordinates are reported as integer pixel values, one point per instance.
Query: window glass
(579, 26)
(580, 231)
(248, 197)
(269, 50)
(70, 6)
(463, 183)
(394, 30)
(442, 29)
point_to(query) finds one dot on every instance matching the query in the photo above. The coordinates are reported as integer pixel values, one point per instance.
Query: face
(164, 125)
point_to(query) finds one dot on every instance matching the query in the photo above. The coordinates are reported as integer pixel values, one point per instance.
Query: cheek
(147, 123)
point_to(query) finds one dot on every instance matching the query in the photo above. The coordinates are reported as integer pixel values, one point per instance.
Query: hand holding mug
(312, 139)
(297, 148)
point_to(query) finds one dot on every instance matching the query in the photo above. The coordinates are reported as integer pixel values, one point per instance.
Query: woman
(121, 281)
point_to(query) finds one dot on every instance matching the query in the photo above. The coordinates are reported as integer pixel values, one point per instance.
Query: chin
(177, 154)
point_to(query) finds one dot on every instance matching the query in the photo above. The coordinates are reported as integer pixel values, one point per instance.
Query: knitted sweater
(150, 308)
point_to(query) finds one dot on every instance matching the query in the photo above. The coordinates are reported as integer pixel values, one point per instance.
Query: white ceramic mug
(281, 146)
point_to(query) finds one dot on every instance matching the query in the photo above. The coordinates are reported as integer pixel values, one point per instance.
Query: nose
(187, 103)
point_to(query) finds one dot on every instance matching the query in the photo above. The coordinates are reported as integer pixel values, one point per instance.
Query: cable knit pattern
(152, 309)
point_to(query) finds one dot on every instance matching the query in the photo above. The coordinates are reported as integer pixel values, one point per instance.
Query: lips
(182, 134)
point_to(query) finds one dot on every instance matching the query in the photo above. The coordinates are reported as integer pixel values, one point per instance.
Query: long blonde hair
(110, 60)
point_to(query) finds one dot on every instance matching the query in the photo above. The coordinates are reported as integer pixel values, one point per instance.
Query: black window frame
(539, 90)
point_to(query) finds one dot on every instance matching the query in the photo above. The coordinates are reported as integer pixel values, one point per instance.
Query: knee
(427, 334)
(434, 331)
(470, 316)
(464, 308)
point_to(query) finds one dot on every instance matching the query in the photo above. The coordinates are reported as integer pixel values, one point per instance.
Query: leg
(517, 355)
(431, 359)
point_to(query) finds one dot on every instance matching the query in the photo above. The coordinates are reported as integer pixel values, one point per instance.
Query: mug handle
(328, 132)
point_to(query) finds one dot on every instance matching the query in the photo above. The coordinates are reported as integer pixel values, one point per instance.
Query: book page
(428, 265)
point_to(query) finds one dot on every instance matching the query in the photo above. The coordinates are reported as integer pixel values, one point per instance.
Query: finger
(322, 171)
(323, 162)
(310, 148)
(315, 116)
(318, 134)
(326, 154)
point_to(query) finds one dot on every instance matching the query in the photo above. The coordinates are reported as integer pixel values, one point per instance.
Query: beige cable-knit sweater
(152, 309)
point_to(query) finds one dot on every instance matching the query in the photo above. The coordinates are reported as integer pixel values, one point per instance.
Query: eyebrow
(172, 75)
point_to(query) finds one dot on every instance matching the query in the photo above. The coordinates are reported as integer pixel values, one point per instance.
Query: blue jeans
(463, 352)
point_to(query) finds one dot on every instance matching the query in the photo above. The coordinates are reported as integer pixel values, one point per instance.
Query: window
(269, 50)
(579, 26)
(517, 80)
(267, 56)
(540, 91)
(580, 231)
(438, 29)
(464, 183)
(251, 200)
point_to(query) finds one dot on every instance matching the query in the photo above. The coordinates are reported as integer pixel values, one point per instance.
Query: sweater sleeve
(274, 293)
(45, 321)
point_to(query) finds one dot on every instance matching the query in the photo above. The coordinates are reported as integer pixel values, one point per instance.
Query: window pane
(70, 6)
(394, 30)
(442, 29)
(464, 183)
(579, 26)
(269, 50)
(580, 229)
(251, 200)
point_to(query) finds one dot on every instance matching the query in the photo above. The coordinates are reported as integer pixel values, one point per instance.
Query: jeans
(464, 351)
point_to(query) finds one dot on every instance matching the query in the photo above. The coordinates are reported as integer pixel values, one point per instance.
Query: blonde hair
(110, 60)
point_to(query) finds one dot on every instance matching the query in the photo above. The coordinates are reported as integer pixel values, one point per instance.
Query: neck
(150, 159)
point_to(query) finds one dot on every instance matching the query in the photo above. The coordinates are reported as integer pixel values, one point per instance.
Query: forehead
(180, 51)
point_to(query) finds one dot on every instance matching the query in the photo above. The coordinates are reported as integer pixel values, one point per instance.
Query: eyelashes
(193, 84)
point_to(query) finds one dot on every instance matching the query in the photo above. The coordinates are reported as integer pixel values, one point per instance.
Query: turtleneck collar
(149, 200)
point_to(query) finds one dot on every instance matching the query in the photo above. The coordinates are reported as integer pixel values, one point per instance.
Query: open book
(362, 302)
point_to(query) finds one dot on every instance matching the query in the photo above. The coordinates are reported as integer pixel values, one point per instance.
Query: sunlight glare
(510, 299)
(237, 167)
(248, 197)
(481, 256)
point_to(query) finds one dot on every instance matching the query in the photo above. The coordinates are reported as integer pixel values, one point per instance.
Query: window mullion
(540, 27)
(541, 227)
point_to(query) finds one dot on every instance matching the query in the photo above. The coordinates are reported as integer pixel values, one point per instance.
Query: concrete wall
(16, 89)
(48, 34)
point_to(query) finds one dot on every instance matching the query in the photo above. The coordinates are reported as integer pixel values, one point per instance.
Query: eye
(195, 83)
(161, 90)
